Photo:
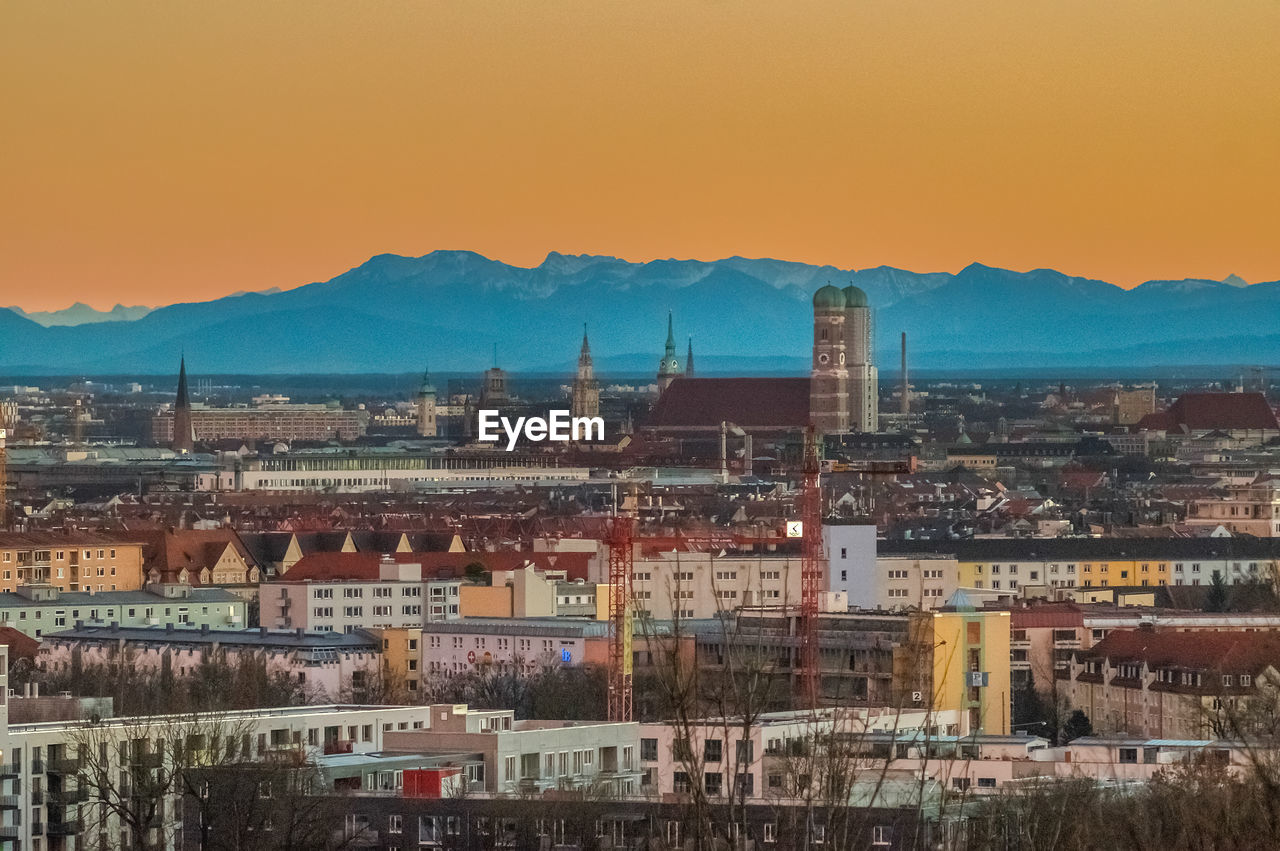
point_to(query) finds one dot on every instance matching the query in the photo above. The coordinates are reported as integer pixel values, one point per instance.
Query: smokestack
(904, 404)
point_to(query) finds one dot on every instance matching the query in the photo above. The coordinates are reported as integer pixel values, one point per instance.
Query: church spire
(688, 360)
(183, 400)
(184, 438)
(426, 388)
(585, 395)
(668, 367)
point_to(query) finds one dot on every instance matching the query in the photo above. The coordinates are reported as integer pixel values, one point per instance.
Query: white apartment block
(888, 582)
(399, 597)
(761, 760)
(48, 804)
(702, 584)
(530, 757)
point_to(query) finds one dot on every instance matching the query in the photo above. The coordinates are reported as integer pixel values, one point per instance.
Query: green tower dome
(828, 298)
(854, 297)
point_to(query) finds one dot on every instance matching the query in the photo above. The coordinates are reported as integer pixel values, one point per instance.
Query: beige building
(269, 422)
(395, 594)
(673, 583)
(78, 561)
(1252, 509)
(1174, 685)
(530, 757)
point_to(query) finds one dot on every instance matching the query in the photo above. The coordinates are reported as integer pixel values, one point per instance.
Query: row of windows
(38, 556)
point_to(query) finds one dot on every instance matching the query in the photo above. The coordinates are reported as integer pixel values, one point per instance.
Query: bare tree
(131, 775)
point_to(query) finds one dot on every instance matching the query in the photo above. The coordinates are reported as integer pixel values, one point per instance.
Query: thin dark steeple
(183, 400)
(688, 360)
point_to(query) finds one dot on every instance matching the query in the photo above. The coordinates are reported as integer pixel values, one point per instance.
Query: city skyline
(182, 156)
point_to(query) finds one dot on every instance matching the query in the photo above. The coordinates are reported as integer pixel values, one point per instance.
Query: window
(395, 824)
(986, 783)
(713, 782)
(680, 782)
(711, 751)
(1129, 756)
(649, 750)
(745, 751)
(882, 834)
(770, 832)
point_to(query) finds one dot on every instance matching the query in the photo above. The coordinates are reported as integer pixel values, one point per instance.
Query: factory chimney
(905, 402)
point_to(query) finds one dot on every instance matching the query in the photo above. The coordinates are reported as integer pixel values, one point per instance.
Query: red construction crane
(620, 538)
(812, 567)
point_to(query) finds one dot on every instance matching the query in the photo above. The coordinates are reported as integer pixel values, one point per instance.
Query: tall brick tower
(864, 385)
(829, 378)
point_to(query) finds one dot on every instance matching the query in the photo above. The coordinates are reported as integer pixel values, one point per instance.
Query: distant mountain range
(82, 314)
(450, 308)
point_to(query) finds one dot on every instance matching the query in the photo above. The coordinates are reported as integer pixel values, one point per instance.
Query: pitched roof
(1230, 652)
(21, 645)
(759, 403)
(1211, 411)
(363, 567)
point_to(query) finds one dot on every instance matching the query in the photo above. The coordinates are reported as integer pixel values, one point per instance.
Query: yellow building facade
(958, 661)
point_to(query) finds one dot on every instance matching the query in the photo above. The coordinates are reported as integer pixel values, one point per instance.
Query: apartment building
(763, 758)
(531, 757)
(47, 798)
(683, 583)
(70, 561)
(957, 660)
(1252, 509)
(332, 666)
(521, 644)
(855, 653)
(345, 592)
(1040, 567)
(1045, 636)
(37, 610)
(1181, 685)
(286, 422)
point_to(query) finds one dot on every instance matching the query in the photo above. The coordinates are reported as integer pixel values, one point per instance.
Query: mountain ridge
(394, 313)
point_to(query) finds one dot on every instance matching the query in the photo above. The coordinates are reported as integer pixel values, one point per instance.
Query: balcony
(66, 765)
(68, 796)
(151, 759)
(10, 831)
(8, 770)
(64, 828)
(37, 797)
(37, 828)
(37, 766)
(339, 746)
(10, 802)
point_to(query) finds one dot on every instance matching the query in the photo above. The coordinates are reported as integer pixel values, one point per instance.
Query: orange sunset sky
(170, 150)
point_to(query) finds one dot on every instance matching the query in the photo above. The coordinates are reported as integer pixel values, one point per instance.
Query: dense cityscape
(841, 610)
(653, 426)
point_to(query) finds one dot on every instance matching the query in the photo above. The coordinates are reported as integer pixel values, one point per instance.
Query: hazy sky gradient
(170, 150)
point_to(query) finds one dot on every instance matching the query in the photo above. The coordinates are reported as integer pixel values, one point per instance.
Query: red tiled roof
(21, 645)
(1230, 652)
(363, 567)
(760, 403)
(171, 550)
(1208, 411)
